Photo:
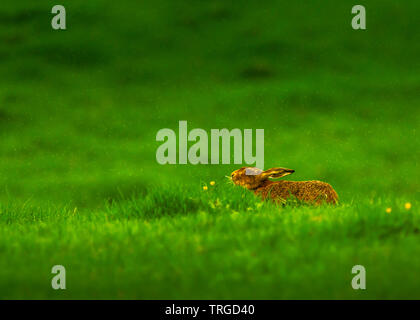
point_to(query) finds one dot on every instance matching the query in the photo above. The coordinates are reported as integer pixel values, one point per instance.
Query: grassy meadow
(80, 185)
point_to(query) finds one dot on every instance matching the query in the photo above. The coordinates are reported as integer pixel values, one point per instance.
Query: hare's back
(310, 191)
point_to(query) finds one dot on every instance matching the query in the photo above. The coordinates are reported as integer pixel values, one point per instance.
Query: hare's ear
(276, 172)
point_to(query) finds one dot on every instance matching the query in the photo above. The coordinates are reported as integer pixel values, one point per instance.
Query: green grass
(80, 185)
(221, 243)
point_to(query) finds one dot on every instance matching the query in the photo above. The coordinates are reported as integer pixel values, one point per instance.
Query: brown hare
(315, 192)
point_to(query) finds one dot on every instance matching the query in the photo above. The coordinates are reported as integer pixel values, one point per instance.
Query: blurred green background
(80, 108)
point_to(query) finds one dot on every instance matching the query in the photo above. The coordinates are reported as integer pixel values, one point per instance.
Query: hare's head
(252, 178)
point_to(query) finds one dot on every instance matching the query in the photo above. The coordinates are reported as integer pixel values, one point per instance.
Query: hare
(255, 179)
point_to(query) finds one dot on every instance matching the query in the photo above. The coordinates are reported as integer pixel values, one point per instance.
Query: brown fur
(254, 179)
